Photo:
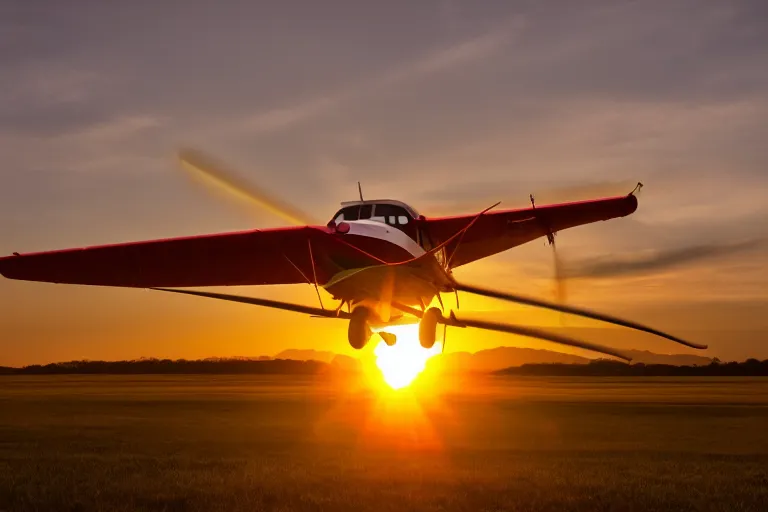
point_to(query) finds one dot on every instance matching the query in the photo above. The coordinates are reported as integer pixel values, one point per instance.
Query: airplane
(380, 258)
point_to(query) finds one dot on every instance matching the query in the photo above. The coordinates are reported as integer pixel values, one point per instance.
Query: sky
(448, 105)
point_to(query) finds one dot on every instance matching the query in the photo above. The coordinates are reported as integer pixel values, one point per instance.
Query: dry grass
(287, 443)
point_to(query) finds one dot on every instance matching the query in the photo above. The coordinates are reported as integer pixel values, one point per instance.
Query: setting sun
(401, 363)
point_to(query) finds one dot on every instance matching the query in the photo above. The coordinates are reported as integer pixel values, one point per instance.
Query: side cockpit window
(391, 214)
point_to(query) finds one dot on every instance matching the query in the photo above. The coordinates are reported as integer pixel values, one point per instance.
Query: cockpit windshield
(391, 213)
(357, 212)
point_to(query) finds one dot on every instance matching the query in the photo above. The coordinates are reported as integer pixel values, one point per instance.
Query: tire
(428, 327)
(359, 332)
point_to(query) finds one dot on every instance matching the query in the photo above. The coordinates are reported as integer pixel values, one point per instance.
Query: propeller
(560, 276)
(573, 193)
(214, 173)
(529, 301)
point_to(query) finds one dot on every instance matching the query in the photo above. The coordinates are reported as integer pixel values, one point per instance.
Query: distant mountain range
(503, 357)
(145, 366)
(309, 362)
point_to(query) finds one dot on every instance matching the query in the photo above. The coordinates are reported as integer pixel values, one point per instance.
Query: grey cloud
(642, 50)
(452, 56)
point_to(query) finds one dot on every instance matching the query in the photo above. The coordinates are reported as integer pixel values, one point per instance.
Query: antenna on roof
(360, 189)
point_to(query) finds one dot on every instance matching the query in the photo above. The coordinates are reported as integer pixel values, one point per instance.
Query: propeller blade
(202, 166)
(529, 301)
(560, 290)
(287, 306)
(531, 332)
(560, 281)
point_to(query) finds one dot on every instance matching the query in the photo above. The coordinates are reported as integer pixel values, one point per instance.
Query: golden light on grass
(402, 363)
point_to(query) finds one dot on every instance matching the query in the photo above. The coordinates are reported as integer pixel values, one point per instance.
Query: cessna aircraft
(380, 258)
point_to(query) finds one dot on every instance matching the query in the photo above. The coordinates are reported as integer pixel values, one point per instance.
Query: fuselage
(389, 231)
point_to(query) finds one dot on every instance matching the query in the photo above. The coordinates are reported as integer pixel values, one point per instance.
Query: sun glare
(403, 362)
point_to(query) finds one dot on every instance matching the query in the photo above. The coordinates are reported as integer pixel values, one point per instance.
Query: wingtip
(632, 204)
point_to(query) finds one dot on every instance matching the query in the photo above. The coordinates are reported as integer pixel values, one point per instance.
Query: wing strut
(531, 332)
(529, 301)
(463, 232)
(287, 306)
(314, 273)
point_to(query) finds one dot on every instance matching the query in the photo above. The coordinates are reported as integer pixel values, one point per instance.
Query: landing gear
(359, 332)
(428, 327)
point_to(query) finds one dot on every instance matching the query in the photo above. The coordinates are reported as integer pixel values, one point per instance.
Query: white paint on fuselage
(381, 231)
(412, 284)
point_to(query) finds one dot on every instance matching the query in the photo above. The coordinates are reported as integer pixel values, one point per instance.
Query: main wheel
(428, 327)
(359, 332)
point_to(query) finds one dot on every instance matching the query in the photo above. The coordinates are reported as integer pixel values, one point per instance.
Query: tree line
(610, 368)
(596, 368)
(171, 367)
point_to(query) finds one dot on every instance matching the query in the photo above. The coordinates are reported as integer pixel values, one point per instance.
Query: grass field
(289, 443)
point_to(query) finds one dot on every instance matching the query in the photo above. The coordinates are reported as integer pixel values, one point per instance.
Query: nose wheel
(359, 331)
(428, 327)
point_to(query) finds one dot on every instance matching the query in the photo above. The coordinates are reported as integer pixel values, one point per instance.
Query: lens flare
(402, 363)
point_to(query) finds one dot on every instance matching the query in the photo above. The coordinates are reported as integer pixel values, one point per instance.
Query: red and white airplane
(380, 258)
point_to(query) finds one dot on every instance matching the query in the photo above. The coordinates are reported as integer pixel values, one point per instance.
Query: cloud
(45, 98)
(119, 143)
(451, 57)
(50, 84)
(282, 118)
(445, 59)
(118, 129)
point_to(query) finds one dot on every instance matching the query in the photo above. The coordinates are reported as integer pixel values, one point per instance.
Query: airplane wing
(498, 230)
(256, 257)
